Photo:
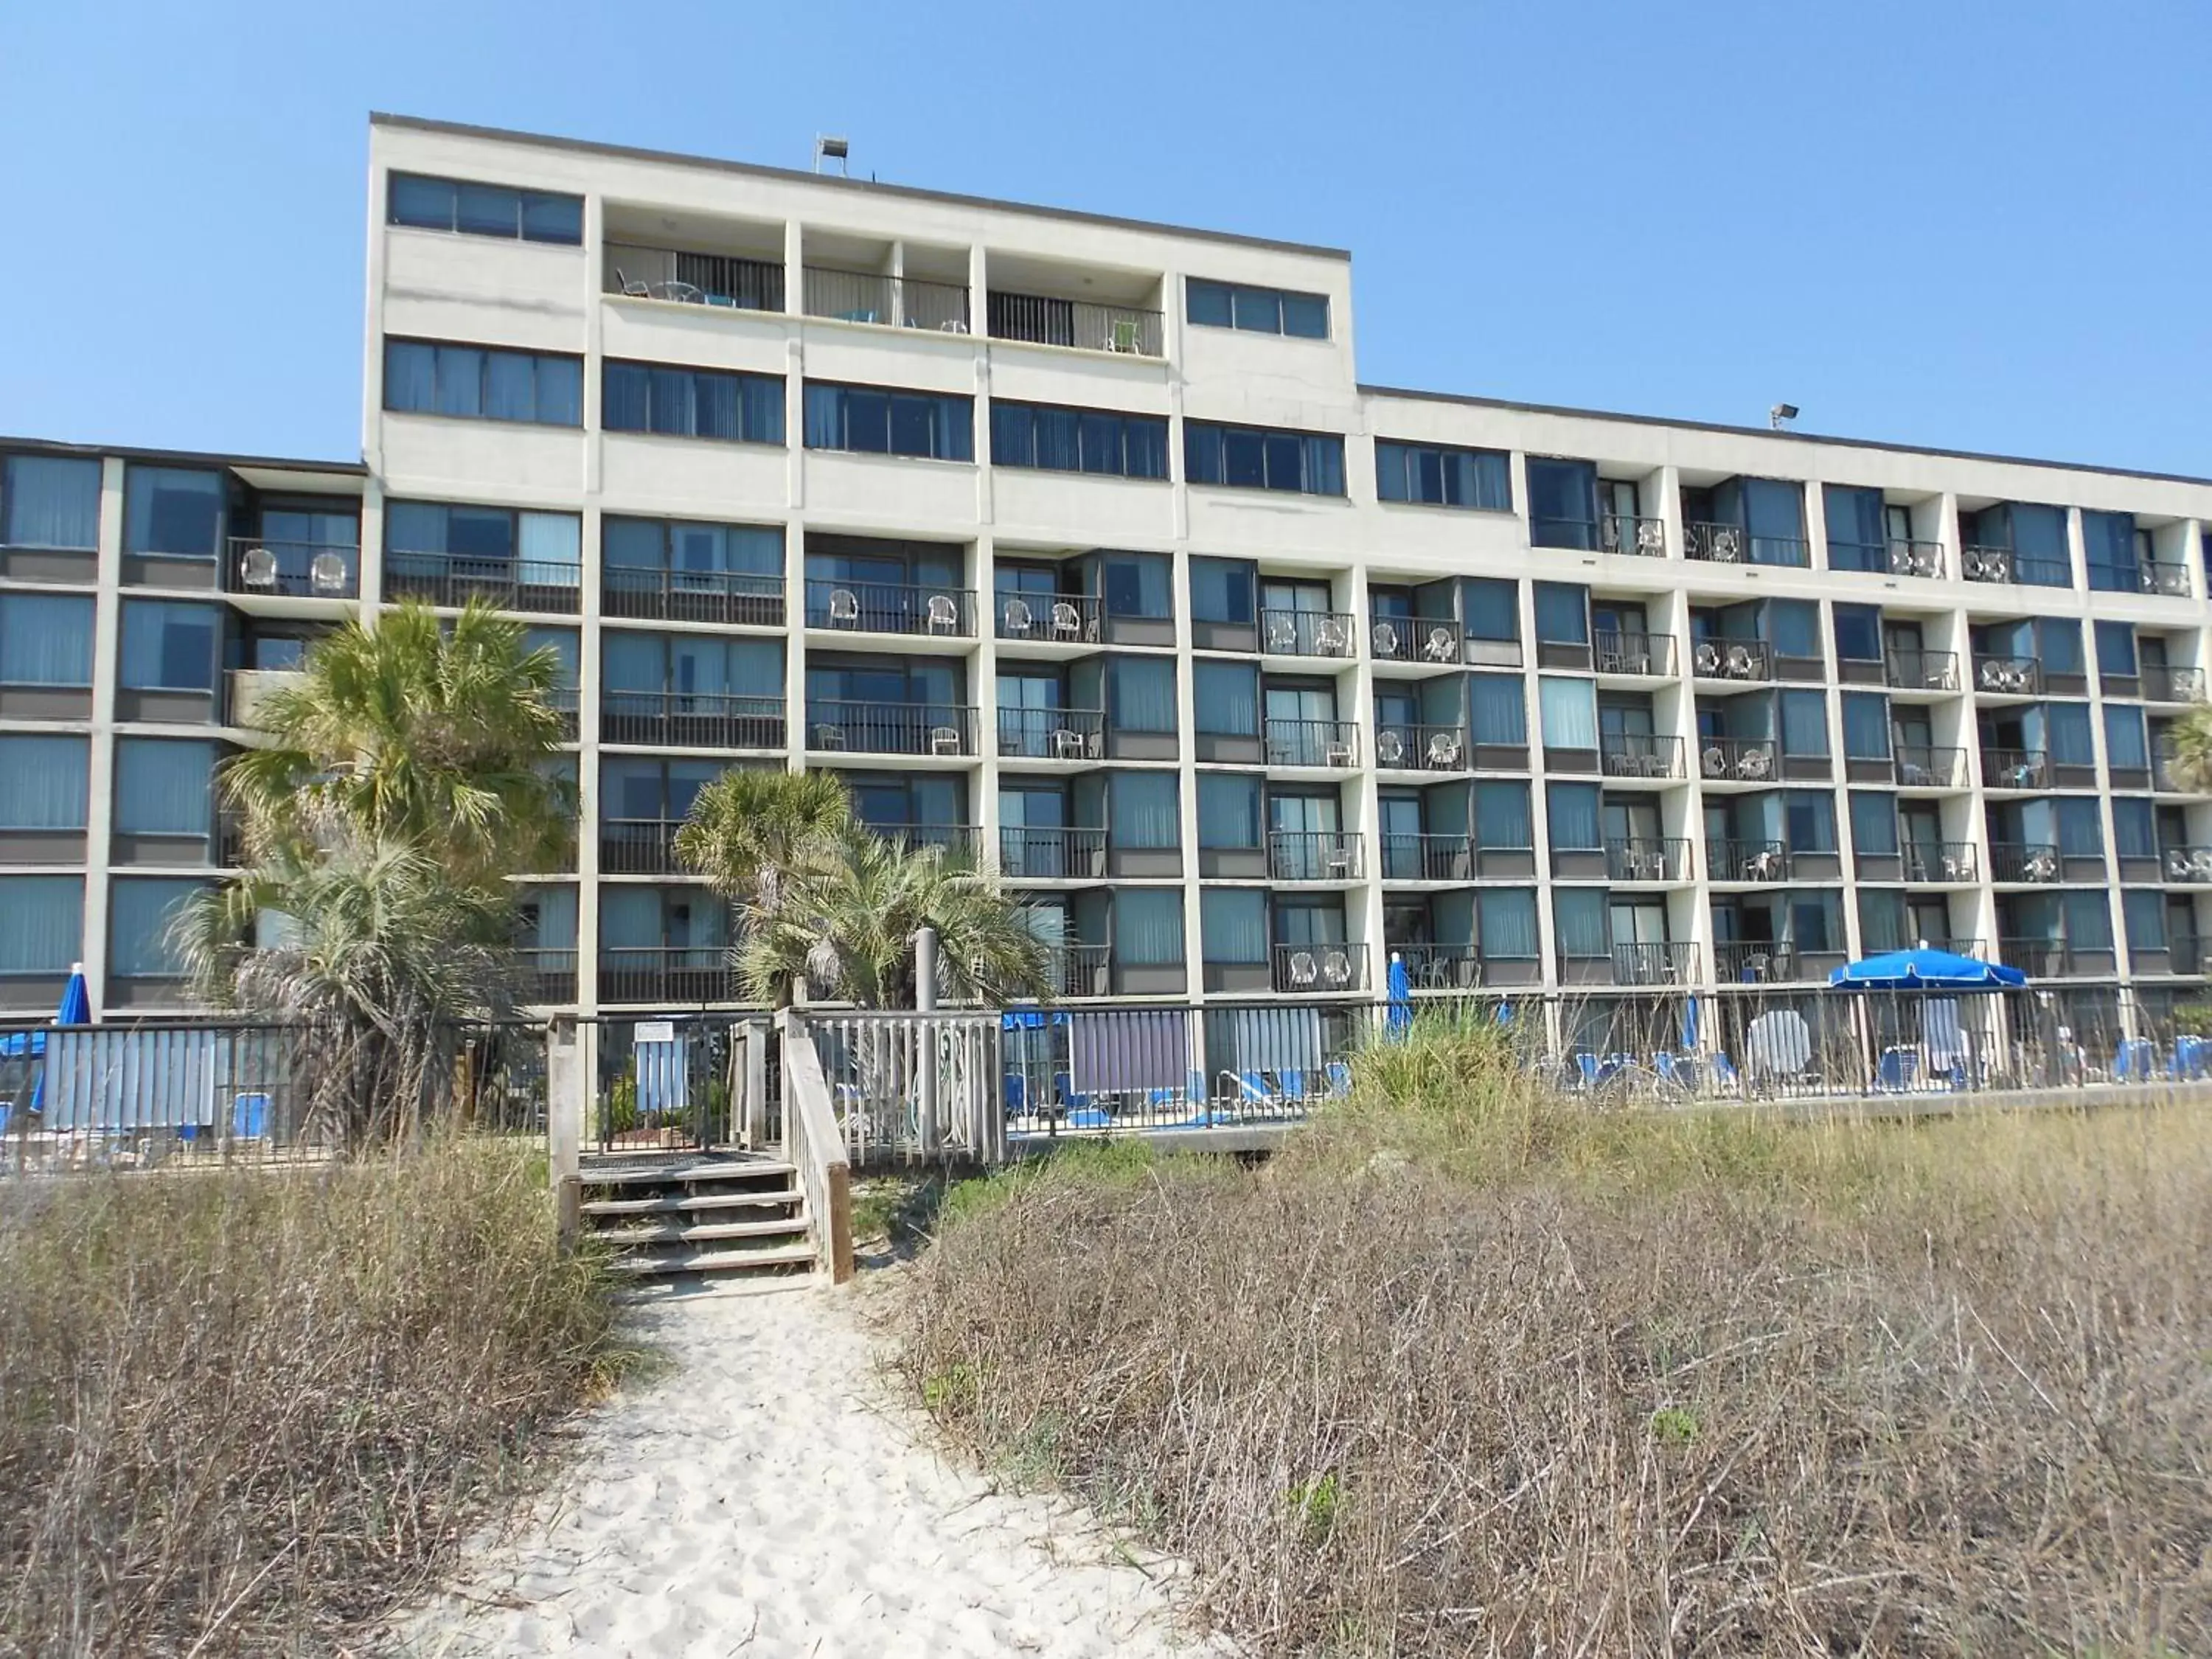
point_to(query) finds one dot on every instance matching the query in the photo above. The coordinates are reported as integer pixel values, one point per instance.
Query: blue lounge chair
(1340, 1077)
(1586, 1069)
(2133, 1061)
(1896, 1070)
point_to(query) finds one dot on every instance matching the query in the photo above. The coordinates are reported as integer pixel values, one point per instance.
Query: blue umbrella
(1400, 1017)
(1925, 969)
(75, 1010)
(1689, 1025)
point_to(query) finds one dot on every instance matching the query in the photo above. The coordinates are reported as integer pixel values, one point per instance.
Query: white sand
(769, 1496)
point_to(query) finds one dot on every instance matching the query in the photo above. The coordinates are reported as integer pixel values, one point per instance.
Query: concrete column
(568, 1090)
(100, 805)
(1365, 819)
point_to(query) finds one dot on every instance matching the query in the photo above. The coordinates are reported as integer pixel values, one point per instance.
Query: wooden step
(670, 1233)
(685, 1175)
(667, 1203)
(708, 1262)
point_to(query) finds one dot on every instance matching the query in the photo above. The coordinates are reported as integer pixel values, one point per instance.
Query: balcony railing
(1647, 858)
(1731, 543)
(703, 596)
(1736, 760)
(2015, 768)
(1895, 557)
(295, 570)
(957, 840)
(2187, 865)
(1662, 962)
(1320, 967)
(1639, 755)
(1052, 619)
(1636, 537)
(2045, 959)
(1921, 670)
(566, 702)
(1921, 766)
(2163, 778)
(1410, 857)
(890, 608)
(1057, 734)
(248, 687)
(1939, 861)
(2166, 576)
(669, 975)
(1416, 639)
(2013, 861)
(2002, 564)
(547, 974)
(639, 847)
(691, 719)
(1306, 634)
(890, 728)
(859, 296)
(1081, 971)
(1747, 861)
(1035, 853)
(1408, 748)
(1754, 962)
(1441, 967)
(2161, 683)
(1041, 320)
(1313, 742)
(1315, 855)
(1651, 655)
(2011, 676)
(1732, 659)
(700, 279)
(450, 579)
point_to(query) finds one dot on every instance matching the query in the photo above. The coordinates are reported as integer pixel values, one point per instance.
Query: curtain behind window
(138, 915)
(1579, 918)
(1874, 823)
(41, 923)
(1226, 695)
(2081, 827)
(2124, 741)
(1866, 725)
(1881, 922)
(2088, 917)
(1148, 927)
(46, 782)
(551, 549)
(2066, 728)
(168, 646)
(1499, 705)
(1141, 694)
(1503, 821)
(50, 501)
(1569, 712)
(163, 787)
(1221, 591)
(1562, 614)
(410, 377)
(170, 510)
(2135, 828)
(2145, 913)
(1232, 924)
(1141, 811)
(1804, 723)
(1228, 810)
(1571, 810)
(1505, 922)
(2059, 642)
(45, 639)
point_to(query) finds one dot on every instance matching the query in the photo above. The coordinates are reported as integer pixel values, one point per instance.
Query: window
(1477, 479)
(1499, 704)
(1572, 810)
(455, 204)
(2144, 910)
(41, 924)
(2059, 642)
(1221, 592)
(422, 376)
(693, 402)
(1562, 503)
(1774, 513)
(50, 501)
(163, 787)
(658, 544)
(1232, 926)
(171, 511)
(1506, 924)
(1078, 440)
(1503, 822)
(1493, 608)
(2081, 827)
(2125, 745)
(1805, 724)
(1148, 927)
(2116, 647)
(1858, 632)
(1883, 924)
(1794, 628)
(47, 783)
(1866, 725)
(691, 666)
(169, 646)
(1228, 812)
(1809, 820)
(546, 546)
(45, 639)
(1569, 709)
(1857, 528)
(869, 420)
(2109, 539)
(1579, 919)
(2135, 828)
(1816, 921)
(1873, 823)
(2087, 919)
(1141, 811)
(1562, 614)
(631, 787)
(1140, 694)
(1139, 585)
(1257, 310)
(1248, 457)
(1226, 698)
(139, 912)
(2066, 734)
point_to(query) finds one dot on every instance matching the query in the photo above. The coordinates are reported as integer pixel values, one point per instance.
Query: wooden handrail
(816, 1147)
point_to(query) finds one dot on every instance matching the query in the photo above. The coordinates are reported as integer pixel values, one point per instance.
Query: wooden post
(757, 1040)
(564, 1125)
(925, 1003)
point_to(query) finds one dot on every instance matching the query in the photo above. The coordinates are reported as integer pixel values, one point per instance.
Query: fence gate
(682, 1083)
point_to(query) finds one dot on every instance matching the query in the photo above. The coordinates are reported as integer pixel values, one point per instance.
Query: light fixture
(1781, 414)
(829, 148)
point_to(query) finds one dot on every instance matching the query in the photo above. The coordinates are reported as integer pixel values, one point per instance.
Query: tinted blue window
(424, 377)
(692, 402)
(1208, 303)
(1078, 440)
(872, 420)
(1857, 537)
(477, 210)
(1301, 462)
(1257, 310)
(1562, 503)
(1472, 478)
(1493, 609)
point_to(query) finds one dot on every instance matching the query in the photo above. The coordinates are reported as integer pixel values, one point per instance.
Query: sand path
(767, 1496)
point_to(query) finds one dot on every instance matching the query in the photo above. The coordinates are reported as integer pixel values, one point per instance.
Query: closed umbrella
(75, 1010)
(1399, 1017)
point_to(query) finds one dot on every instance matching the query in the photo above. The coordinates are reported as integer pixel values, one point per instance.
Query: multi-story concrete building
(1080, 543)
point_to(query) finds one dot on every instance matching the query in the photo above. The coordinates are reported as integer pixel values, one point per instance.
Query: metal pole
(924, 1002)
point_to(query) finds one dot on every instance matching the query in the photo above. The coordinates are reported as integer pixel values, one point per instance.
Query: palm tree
(2188, 760)
(416, 733)
(750, 833)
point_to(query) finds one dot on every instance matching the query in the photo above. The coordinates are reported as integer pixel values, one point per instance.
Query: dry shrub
(1494, 1376)
(246, 1410)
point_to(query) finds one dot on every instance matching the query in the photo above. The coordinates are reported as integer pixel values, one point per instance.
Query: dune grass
(244, 1411)
(1472, 1369)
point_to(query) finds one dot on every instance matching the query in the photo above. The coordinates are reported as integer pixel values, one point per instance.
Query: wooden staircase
(690, 1223)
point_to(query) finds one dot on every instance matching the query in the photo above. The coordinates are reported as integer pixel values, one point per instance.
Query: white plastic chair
(1017, 617)
(1442, 648)
(943, 614)
(1443, 749)
(844, 607)
(1386, 641)
(257, 567)
(1067, 621)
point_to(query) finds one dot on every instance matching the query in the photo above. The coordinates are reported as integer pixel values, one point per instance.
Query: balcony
(1732, 659)
(1647, 858)
(1662, 962)
(1921, 670)
(2015, 768)
(1048, 619)
(1754, 962)
(1417, 639)
(1303, 968)
(1921, 766)
(292, 570)
(691, 719)
(565, 702)
(1639, 755)
(1407, 858)
(1052, 734)
(2002, 564)
(2023, 861)
(1736, 760)
(639, 272)
(1757, 861)
(859, 296)
(2166, 576)
(942, 730)
(1896, 557)
(1632, 536)
(1305, 634)
(2010, 676)
(890, 608)
(1036, 853)
(1315, 855)
(2165, 779)
(1731, 543)
(724, 596)
(1079, 970)
(1939, 862)
(452, 579)
(546, 975)
(1402, 747)
(955, 840)
(2186, 867)
(2052, 959)
(666, 975)
(1441, 967)
(1650, 655)
(249, 687)
(1040, 319)
(2165, 684)
(1333, 743)
(639, 847)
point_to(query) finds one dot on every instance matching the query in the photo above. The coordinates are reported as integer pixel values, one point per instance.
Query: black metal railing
(1894, 558)
(295, 570)
(1647, 858)
(450, 578)
(1313, 742)
(957, 840)
(859, 296)
(1639, 755)
(2186, 863)
(1659, 962)
(1338, 967)
(1416, 639)
(1040, 319)
(669, 975)
(691, 719)
(1053, 618)
(2163, 683)
(1921, 670)
(1736, 760)
(2016, 677)
(1732, 659)
(1926, 766)
(1747, 861)
(1081, 971)
(723, 280)
(2014, 768)
(1939, 861)
(702, 595)
(890, 728)
(2041, 959)
(1651, 655)
(2166, 576)
(1315, 855)
(1638, 537)
(1731, 543)
(1407, 856)
(2016, 860)
(2002, 564)
(547, 974)
(890, 608)
(639, 847)
(1441, 967)
(1753, 961)
(1306, 634)
(1402, 746)
(1038, 853)
(1058, 734)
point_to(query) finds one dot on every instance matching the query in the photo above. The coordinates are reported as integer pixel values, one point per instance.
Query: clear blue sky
(1978, 225)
